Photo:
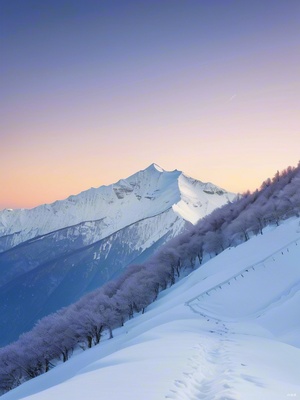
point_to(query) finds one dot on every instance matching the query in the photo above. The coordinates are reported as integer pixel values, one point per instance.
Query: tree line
(82, 324)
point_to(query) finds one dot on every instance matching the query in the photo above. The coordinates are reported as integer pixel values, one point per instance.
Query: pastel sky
(93, 91)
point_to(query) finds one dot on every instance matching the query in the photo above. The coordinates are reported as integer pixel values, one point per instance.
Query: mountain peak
(156, 167)
(146, 193)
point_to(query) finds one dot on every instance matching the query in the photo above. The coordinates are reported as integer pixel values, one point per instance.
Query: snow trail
(238, 343)
(209, 374)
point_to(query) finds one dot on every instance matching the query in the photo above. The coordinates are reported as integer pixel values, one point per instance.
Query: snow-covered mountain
(53, 254)
(147, 193)
(229, 330)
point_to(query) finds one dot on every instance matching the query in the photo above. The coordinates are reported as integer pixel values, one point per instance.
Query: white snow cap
(157, 167)
(142, 195)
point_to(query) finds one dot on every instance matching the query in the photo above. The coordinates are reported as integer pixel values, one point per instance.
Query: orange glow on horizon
(93, 95)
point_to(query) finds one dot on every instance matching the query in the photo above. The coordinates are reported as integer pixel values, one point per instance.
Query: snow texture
(230, 330)
(53, 254)
(145, 194)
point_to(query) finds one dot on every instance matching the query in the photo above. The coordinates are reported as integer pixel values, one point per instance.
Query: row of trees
(83, 324)
(236, 222)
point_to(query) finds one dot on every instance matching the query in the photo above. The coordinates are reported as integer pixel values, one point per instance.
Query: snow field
(238, 343)
(142, 195)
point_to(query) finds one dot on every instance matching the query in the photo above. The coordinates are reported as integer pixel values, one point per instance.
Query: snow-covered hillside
(45, 274)
(147, 193)
(53, 254)
(230, 330)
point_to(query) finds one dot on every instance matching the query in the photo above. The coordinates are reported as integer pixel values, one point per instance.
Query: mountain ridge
(149, 192)
(75, 245)
(240, 248)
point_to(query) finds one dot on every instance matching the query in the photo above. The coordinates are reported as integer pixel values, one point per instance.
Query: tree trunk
(89, 341)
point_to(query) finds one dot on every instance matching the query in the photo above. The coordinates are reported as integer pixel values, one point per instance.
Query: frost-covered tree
(10, 371)
(55, 336)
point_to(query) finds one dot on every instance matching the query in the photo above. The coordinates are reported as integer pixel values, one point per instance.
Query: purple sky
(93, 91)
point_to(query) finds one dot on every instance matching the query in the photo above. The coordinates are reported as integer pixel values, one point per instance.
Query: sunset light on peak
(94, 91)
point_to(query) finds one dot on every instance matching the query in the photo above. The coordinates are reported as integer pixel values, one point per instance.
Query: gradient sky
(93, 91)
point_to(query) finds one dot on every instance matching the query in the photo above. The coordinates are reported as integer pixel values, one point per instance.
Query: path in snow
(214, 370)
(209, 373)
(240, 342)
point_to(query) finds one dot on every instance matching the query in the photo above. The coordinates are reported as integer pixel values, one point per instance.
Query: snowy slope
(46, 274)
(230, 330)
(147, 193)
(53, 254)
(62, 243)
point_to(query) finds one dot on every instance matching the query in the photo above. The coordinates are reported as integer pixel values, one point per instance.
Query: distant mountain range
(53, 254)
